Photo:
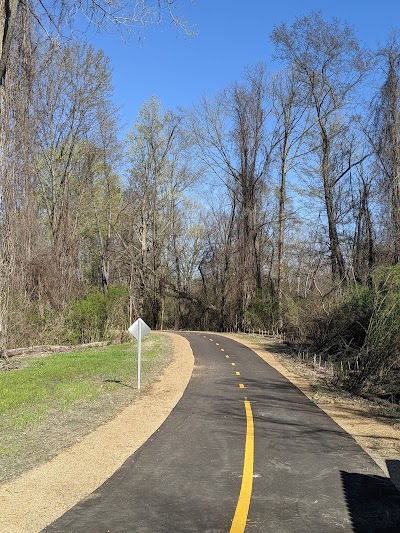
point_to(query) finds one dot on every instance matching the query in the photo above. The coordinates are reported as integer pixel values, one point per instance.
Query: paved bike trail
(307, 474)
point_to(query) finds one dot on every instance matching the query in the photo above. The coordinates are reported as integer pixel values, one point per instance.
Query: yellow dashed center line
(237, 373)
(241, 385)
(217, 344)
(233, 364)
(222, 350)
(227, 356)
(243, 504)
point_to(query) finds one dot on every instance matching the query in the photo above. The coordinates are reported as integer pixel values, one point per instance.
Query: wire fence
(317, 361)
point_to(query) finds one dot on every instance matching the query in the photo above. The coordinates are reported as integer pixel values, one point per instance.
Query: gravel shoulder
(375, 428)
(39, 496)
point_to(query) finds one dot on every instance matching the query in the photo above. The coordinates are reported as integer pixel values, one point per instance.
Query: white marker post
(139, 330)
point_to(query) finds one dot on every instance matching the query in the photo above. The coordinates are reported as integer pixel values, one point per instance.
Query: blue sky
(231, 35)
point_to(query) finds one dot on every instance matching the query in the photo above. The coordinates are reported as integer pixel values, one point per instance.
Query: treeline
(273, 205)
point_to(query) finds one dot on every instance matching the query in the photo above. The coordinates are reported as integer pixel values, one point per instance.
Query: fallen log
(48, 348)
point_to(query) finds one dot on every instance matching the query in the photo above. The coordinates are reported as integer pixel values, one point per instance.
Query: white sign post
(139, 330)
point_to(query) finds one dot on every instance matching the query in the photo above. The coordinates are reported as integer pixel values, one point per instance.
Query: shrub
(379, 355)
(96, 314)
(262, 311)
(342, 332)
(299, 318)
(363, 329)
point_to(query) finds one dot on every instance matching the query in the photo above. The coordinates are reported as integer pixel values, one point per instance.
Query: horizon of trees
(270, 205)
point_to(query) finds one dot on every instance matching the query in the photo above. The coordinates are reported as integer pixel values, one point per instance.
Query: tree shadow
(373, 502)
(394, 472)
(119, 382)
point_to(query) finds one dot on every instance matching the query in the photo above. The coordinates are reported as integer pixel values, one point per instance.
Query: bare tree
(385, 137)
(18, 213)
(53, 17)
(232, 137)
(73, 89)
(363, 253)
(329, 65)
(8, 17)
(217, 264)
(291, 122)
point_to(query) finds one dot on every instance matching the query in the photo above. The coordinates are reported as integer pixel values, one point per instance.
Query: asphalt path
(243, 450)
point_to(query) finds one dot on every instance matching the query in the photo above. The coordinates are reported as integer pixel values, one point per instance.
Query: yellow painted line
(233, 364)
(243, 504)
(222, 350)
(241, 385)
(217, 344)
(237, 373)
(227, 356)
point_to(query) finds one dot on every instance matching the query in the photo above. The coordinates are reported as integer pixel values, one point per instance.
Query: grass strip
(51, 401)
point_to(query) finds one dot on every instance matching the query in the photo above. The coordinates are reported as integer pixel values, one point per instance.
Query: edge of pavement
(39, 496)
(381, 441)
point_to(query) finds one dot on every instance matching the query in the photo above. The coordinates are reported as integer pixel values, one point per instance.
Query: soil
(42, 494)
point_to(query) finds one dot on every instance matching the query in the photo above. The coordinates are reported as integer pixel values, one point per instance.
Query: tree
(329, 65)
(232, 138)
(363, 253)
(18, 210)
(53, 16)
(49, 157)
(291, 123)
(107, 190)
(159, 173)
(385, 138)
(8, 16)
(74, 89)
(217, 265)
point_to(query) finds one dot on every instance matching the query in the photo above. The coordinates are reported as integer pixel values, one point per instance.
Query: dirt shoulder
(376, 429)
(41, 495)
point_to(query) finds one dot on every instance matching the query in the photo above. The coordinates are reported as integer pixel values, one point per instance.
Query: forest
(273, 205)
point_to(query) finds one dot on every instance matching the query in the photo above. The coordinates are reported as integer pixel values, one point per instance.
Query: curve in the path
(243, 450)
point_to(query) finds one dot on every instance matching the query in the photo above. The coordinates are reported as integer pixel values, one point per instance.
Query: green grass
(53, 399)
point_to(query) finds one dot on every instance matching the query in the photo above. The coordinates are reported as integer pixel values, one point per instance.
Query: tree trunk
(281, 229)
(8, 15)
(337, 262)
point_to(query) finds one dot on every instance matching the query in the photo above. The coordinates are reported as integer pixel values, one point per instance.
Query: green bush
(342, 331)
(379, 355)
(362, 331)
(97, 315)
(262, 311)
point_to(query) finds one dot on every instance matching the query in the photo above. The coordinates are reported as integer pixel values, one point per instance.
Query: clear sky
(231, 34)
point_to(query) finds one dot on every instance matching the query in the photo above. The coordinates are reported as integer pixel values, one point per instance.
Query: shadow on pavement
(373, 502)
(394, 472)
